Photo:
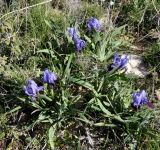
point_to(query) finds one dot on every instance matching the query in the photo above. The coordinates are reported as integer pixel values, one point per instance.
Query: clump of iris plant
(79, 43)
(49, 77)
(140, 98)
(93, 24)
(119, 61)
(32, 89)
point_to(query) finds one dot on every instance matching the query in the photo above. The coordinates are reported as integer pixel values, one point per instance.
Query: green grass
(89, 105)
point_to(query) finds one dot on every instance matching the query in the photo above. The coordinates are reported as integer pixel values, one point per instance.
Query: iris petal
(139, 98)
(49, 77)
(93, 24)
(73, 33)
(80, 44)
(119, 61)
(31, 89)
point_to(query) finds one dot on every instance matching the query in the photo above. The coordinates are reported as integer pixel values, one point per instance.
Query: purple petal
(32, 82)
(45, 75)
(93, 24)
(26, 92)
(73, 33)
(117, 59)
(49, 77)
(31, 88)
(136, 99)
(54, 76)
(80, 44)
(139, 98)
(40, 88)
(124, 61)
(143, 93)
(120, 61)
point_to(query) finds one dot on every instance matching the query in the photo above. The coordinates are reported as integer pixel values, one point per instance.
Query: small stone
(111, 3)
(136, 66)
(158, 94)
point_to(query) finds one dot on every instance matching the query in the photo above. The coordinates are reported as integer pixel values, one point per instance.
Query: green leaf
(118, 118)
(87, 39)
(15, 109)
(34, 104)
(96, 37)
(85, 120)
(67, 70)
(42, 117)
(47, 51)
(95, 108)
(116, 44)
(108, 113)
(21, 99)
(48, 24)
(107, 104)
(51, 135)
(45, 98)
(2, 135)
(132, 119)
(101, 84)
(84, 84)
(118, 31)
(116, 85)
(102, 50)
(101, 124)
(93, 46)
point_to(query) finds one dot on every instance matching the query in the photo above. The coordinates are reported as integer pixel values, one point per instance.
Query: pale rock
(111, 3)
(136, 66)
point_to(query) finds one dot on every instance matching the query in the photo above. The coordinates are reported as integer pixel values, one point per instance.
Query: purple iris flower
(73, 33)
(31, 89)
(93, 24)
(80, 44)
(139, 98)
(49, 77)
(119, 61)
